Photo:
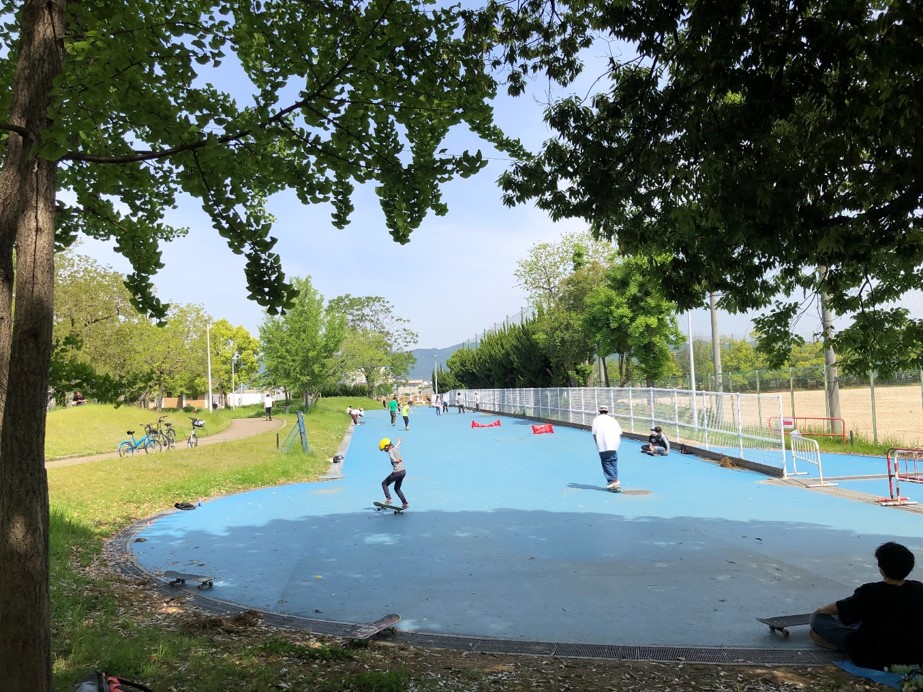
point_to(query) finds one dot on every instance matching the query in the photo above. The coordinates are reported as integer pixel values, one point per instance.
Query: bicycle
(146, 443)
(168, 436)
(193, 440)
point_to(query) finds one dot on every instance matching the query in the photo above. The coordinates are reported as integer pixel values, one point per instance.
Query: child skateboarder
(397, 470)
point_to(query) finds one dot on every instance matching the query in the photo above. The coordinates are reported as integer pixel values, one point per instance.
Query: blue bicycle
(148, 443)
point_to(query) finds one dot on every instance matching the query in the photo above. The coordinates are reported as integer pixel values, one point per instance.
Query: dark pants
(269, 413)
(397, 478)
(393, 417)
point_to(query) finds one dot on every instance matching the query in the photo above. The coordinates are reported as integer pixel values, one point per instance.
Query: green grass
(98, 428)
(93, 501)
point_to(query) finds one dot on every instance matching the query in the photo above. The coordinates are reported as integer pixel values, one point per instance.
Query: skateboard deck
(179, 578)
(781, 623)
(372, 628)
(381, 505)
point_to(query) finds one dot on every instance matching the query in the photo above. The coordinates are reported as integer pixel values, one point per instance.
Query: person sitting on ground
(657, 443)
(879, 625)
(79, 399)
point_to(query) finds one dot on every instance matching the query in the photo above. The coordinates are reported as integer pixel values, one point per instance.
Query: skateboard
(179, 578)
(372, 628)
(781, 623)
(381, 505)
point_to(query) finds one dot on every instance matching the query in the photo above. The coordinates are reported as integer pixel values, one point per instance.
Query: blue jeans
(831, 630)
(610, 462)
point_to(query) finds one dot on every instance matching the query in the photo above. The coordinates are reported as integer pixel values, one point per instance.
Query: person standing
(267, 405)
(477, 401)
(879, 624)
(607, 434)
(405, 414)
(392, 409)
(460, 402)
(657, 443)
(397, 470)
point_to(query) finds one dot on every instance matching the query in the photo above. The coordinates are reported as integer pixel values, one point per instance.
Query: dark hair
(895, 561)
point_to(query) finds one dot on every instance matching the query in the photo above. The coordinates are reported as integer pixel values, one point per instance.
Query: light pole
(435, 375)
(208, 350)
(233, 364)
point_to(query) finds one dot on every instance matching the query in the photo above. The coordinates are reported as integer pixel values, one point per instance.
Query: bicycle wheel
(193, 441)
(153, 445)
(126, 449)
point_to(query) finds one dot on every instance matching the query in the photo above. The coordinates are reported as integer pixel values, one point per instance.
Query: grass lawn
(98, 428)
(91, 502)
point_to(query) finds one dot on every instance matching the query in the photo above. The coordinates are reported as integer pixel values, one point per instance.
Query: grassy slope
(91, 502)
(97, 428)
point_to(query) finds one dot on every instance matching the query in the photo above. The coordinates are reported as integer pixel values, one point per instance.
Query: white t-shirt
(607, 433)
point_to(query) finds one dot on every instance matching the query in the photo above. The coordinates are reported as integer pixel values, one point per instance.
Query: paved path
(238, 429)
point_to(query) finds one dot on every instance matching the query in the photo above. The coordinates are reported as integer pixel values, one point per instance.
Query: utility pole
(715, 342)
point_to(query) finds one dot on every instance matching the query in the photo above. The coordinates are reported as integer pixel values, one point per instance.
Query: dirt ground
(898, 411)
(437, 669)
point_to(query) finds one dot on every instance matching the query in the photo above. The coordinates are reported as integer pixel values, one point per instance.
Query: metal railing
(722, 423)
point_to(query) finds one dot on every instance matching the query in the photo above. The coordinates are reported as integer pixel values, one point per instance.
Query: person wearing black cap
(657, 443)
(608, 435)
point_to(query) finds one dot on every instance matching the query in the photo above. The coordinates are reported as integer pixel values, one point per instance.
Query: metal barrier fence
(726, 424)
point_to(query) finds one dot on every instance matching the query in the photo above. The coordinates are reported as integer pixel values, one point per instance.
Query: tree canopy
(768, 152)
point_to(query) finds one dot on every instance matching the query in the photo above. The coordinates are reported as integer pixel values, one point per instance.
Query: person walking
(397, 470)
(267, 405)
(460, 402)
(607, 433)
(392, 409)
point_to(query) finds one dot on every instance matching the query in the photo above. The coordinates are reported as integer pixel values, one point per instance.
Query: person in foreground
(607, 434)
(881, 624)
(397, 470)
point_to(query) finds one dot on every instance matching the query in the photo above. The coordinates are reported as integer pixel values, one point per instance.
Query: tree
(541, 273)
(302, 348)
(118, 105)
(629, 316)
(378, 342)
(740, 148)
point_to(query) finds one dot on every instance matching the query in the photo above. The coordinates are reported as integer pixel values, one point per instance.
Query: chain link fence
(722, 424)
(881, 410)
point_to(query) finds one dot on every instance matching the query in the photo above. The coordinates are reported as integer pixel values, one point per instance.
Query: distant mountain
(427, 359)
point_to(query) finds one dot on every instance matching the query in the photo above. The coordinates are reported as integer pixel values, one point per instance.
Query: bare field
(898, 411)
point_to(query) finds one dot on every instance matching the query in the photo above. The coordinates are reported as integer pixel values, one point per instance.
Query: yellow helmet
(385, 441)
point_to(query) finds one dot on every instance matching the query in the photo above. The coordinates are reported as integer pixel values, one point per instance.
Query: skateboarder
(879, 625)
(657, 443)
(608, 435)
(397, 470)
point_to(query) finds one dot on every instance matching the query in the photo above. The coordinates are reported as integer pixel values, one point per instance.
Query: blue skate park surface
(513, 543)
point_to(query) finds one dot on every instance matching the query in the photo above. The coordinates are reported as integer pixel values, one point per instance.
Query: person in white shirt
(608, 435)
(267, 405)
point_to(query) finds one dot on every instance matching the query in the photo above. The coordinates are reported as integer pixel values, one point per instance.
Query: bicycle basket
(198, 423)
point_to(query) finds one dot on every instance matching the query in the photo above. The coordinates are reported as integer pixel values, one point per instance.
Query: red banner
(544, 428)
(495, 424)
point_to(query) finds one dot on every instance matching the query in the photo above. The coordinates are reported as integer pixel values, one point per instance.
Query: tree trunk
(27, 201)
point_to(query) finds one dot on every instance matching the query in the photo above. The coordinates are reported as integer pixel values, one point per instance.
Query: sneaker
(405, 505)
(615, 487)
(387, 500)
